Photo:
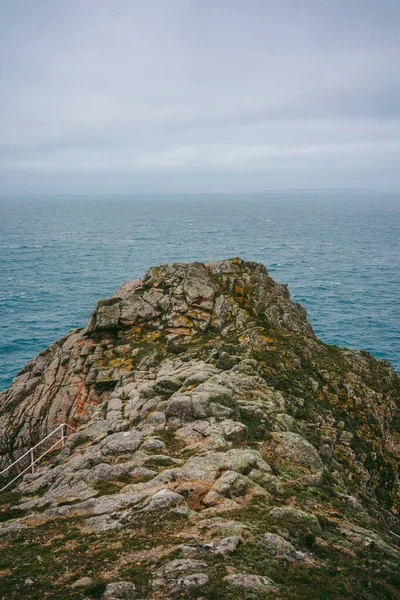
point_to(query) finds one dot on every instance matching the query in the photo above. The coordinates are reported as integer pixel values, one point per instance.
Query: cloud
(134, 90)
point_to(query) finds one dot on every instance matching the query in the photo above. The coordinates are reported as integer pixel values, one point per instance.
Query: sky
(127, 96)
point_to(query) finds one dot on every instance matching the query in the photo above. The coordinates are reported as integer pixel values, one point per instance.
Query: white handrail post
(32, 462)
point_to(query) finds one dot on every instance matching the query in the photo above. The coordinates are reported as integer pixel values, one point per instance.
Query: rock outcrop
(221, 451)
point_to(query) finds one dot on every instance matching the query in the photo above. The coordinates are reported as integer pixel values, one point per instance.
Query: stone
(189, 581)
(181, 574)
(82, 582)
(179, 566)
(165, 386)
(166, 500)
(225, 546)
(120, 590)
(102, 523)
(11, 527)
(153, 445)
(193, 550)
(294, 457)
(125, 442)
(278, 544)
(295, 519)
(251, 583)
(234, 431)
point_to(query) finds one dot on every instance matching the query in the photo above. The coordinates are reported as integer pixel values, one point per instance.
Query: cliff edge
(221, 451)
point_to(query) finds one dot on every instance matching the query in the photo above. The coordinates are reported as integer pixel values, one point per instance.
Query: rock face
(221, 451)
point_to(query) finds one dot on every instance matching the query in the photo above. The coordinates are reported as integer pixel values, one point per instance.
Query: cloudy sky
(198, 95)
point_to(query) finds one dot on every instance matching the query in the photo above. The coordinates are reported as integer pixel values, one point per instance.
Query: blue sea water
(339, 253)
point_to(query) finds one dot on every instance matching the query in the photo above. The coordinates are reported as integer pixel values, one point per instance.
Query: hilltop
(221, 451)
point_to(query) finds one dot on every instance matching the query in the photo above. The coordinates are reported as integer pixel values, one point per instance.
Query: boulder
(120, 590)
(251, 583)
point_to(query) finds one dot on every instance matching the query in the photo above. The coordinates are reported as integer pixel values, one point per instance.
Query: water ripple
(339, 255)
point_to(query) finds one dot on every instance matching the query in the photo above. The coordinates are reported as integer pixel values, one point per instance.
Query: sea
(338, 252)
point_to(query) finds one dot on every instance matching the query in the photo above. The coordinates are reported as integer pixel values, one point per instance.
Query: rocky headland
(221, 451)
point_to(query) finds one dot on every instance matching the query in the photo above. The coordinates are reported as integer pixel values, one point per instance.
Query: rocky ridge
(222, 451)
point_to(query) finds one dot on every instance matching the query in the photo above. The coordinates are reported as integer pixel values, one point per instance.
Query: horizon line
(203, 192)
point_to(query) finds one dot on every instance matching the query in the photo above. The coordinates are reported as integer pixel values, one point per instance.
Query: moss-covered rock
(222, 451)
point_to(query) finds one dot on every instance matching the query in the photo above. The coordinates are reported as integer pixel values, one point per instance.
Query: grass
(56, 554)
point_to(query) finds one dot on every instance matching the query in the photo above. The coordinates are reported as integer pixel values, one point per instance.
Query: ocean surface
(339, 254)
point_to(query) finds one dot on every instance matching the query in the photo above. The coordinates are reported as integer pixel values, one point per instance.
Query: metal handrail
(30, 452)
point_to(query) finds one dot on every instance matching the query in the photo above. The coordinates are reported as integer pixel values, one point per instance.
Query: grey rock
(180, 574)
(225, 546)
(326, 452)
(166, 386)
(82, 582)
(106, 472)
(295, 519)
(295, 457)
(121, 443)
(189, 581)
(105, 316)
(252, 583)
(178, 566)
(153, 444)
(11, 527)
(277, 542)
(120, 590)
(102, 523)
(166, 500)
(193, 550)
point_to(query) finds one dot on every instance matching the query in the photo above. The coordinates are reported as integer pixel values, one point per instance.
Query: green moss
(256, 431)
(9, 498)
(95, 589)
(11, 513)
(167, 436)
(159, 461)
(106, 488)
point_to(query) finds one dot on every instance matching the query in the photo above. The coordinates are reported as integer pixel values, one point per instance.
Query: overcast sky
(198, 95)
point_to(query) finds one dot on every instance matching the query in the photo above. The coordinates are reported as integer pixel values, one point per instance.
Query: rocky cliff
(222, 451)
